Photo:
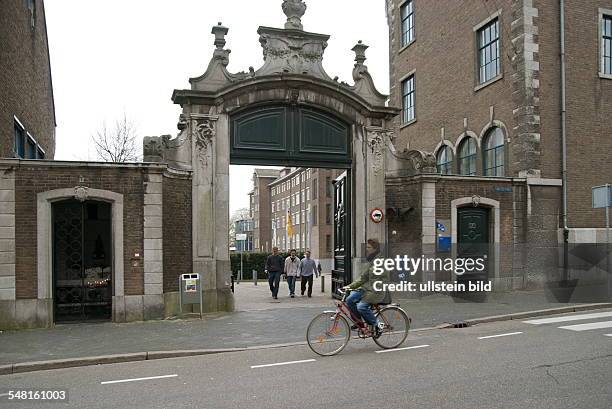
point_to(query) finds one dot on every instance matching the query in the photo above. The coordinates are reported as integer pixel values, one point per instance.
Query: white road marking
(400, 349)
(283, 363)
(500, 335)
(569, 318)
(608, 335)
(589, 326)
(139, 379)
(4, 394)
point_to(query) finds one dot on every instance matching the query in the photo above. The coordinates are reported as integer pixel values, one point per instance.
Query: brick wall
(31, 179)
(25, 77)
(443, 56)
(589, 113)
(177, 230)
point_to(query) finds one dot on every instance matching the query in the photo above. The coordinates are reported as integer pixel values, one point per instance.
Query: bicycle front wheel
(328, 333)
(396, 326)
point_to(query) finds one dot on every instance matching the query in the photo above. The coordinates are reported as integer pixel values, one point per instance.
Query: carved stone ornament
(294, 10)
(203, 132)
(475, 200)
(81, 193)
(376, 142)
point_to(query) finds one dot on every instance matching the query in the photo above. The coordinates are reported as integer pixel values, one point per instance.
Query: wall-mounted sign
(602, 196)
(503, 189)
(241, 236)
(377, 215)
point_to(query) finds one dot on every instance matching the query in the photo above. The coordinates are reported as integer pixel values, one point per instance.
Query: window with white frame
(408, 99)
(407, 15)
(489, 61)
(444, 160)
(606, 44)
(467, 157)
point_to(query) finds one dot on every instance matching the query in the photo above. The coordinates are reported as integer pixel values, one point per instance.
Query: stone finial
(360, 50)
(294, 10)
(220, 32)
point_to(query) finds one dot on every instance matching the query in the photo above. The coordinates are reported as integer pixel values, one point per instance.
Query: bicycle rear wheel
(328, 333)
(396, 327)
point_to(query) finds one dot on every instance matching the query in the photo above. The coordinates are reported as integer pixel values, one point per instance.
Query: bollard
(255, 277)
(322, 283)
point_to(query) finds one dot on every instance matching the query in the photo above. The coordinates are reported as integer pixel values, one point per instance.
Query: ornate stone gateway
(288, 112)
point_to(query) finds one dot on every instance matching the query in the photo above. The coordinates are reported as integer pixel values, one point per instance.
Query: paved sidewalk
(265, 323)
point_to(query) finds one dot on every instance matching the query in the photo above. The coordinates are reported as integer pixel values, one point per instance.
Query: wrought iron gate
(82, 261)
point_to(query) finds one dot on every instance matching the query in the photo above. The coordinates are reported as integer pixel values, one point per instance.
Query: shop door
(473, 238)
(82, 261)
(341, 272)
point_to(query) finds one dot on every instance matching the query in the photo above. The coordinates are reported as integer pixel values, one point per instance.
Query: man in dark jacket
(274, 267)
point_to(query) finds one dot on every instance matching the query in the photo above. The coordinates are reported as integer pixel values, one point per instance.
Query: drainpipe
(563, 139)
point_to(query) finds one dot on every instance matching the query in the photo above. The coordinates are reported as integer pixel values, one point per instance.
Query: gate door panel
(341, 272)
(290, 136)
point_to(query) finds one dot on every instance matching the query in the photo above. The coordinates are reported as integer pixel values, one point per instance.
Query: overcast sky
(114, 56)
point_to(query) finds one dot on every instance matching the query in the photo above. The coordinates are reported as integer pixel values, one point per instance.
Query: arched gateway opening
(289, 112)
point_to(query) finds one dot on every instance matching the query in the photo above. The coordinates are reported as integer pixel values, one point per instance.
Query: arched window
(444, 160)
(467, 157)
(493, 153)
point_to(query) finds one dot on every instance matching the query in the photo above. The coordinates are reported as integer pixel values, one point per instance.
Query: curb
(147, 356)
(537, 313)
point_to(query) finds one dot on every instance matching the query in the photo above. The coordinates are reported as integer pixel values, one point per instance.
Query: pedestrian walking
(292, 265)
(308, 268)
(274, 268)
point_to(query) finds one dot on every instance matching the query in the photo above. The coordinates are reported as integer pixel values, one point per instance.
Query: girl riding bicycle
(361, 299)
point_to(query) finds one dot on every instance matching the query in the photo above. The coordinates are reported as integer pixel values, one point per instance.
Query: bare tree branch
(117, 144)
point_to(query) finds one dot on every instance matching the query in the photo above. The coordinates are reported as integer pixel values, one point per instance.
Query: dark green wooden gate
(289, 135)
(341, 272)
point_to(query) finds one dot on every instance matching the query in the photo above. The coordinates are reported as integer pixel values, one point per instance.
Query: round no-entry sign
(377, 215)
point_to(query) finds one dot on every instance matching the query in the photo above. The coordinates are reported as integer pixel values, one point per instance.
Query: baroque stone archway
(291, 77)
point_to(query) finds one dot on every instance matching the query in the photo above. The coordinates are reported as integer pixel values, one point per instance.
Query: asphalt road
(563, 363)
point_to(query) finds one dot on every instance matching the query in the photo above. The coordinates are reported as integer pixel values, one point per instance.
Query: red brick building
(488, 109)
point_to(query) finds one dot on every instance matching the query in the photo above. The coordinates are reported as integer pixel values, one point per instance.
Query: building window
(606, 44)
(408, 99)
(328, 187)
(32, 10)
(444, 160)
(328, 246)
(407, 14)
(493, 153)
(30, 148)
(315, 189)
(467, 157)
(328, 214)
(40, 154)
(489, 63)
(314, 215)
(19, 140)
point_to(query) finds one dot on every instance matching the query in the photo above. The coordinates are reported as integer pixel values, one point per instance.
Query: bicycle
(329, 332)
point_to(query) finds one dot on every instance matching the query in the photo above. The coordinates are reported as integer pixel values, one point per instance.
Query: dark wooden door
(473, 238)
(341, 272)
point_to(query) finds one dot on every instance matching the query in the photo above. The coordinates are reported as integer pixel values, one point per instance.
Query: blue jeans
(291, 283)
(274, 281)
(360, 309)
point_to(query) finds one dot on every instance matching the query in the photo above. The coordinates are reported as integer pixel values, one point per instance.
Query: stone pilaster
(7, 234)
(153, 243)
(526, 89)
(376, 140)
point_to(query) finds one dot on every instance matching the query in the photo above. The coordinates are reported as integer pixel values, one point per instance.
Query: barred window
(408, 99)
(493, 153)
(444, 160)
(606, 45)
(407, 14)
(489, 62)
(467, 157)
